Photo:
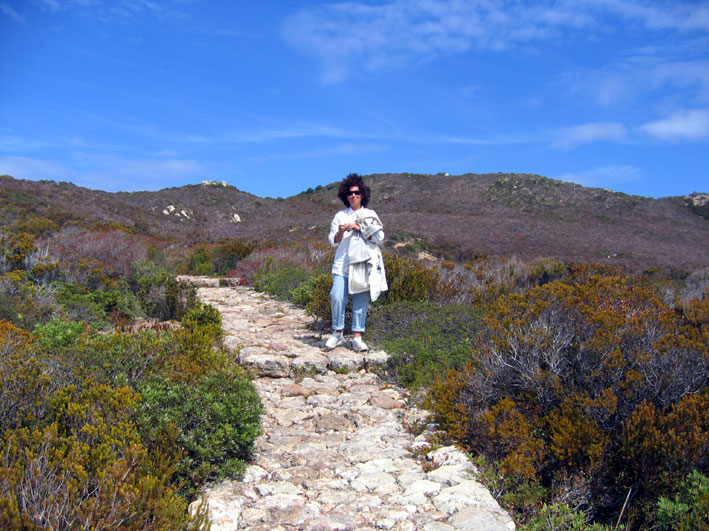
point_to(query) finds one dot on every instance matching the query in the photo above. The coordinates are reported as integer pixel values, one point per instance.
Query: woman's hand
(349, 226)
(344, 227)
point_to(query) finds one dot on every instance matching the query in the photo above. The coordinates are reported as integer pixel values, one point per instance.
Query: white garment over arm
(347, 215)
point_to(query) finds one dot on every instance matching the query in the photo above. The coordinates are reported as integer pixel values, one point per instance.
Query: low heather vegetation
(580, 390)
(117, 402)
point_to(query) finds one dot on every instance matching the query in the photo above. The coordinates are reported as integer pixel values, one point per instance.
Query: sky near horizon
(278, 97)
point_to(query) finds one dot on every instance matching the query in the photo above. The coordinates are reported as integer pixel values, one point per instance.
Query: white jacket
(364, 259)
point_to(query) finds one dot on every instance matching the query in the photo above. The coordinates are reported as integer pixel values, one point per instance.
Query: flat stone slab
(335, 452)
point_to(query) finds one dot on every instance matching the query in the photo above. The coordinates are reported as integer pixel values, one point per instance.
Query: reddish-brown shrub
(593, 383)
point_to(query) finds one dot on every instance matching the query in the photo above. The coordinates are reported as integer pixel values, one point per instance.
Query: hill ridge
(455, 216)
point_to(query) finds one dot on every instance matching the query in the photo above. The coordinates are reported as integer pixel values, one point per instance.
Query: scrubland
(117, 402)
(579, 389)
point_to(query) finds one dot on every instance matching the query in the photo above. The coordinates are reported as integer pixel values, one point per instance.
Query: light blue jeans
(339, 296)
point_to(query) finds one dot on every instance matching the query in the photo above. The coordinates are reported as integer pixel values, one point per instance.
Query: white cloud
(9, 12)
(33, 169)
(108, 172)
(334, 151)
(15, 144)
(107, 11)
(639, 73)
(682, 16)
(586, 133)
(135, 169)
(684, 125)
(681, 74)
(604, 176)
(355, 35)
(52, 5)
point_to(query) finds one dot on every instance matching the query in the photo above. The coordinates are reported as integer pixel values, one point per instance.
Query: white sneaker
(358, 345)
(335, 340)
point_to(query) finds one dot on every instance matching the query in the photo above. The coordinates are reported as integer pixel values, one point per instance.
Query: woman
(358, 268)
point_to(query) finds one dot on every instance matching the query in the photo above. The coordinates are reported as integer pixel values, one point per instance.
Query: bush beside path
(340, 448)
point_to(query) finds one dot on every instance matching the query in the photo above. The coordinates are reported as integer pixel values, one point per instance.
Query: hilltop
(453, 216)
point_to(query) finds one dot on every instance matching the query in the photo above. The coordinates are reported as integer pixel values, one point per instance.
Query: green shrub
(424, 340)
(88, 469)
(80, 305)
(216, 259)
(160, 294)
(203, 316)
(228, 253)
(99, 306)
(24, 379)
(689, 509)
(218, 416)
(319, 292)
(409, 280)
(15, 251)
(119, 304)
(199, 262)
(57, 334)
(118, 358)
(278, 279)
(303, 294)
(561, 517)
(26, 304)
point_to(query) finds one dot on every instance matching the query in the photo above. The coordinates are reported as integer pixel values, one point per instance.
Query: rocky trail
(340, 448)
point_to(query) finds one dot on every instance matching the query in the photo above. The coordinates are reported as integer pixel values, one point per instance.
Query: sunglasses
(355, 192)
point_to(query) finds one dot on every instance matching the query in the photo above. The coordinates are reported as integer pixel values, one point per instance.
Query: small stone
(448, 455)
(386, 402)
(333, 421)
(452, 474)
(386, 523)
(295, 516)
(266, 364)
(465, 494)
(470, 519)
(423, 487)
(344, 361)
(309, 363)
(254, 474)
(380, 482)
(376, 357)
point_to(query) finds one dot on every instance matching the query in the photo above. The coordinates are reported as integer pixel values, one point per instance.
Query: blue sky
(277, 97)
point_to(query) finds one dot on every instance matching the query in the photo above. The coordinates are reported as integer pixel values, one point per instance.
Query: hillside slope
(533, 216)
(463, 216)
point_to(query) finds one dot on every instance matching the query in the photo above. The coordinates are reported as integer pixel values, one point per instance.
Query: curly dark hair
(348, 182)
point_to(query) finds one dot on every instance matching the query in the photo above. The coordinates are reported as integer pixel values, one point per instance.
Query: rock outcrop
(340, 448)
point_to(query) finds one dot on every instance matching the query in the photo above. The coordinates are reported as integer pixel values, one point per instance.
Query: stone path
(339, 449)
